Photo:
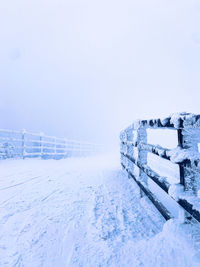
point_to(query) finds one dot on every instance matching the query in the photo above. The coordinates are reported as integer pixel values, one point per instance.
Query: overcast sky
(85, 69)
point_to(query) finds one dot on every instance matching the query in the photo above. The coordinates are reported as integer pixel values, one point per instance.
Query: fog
(85, 69)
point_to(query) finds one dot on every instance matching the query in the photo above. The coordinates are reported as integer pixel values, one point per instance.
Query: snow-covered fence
(24, 144)
(187, 192)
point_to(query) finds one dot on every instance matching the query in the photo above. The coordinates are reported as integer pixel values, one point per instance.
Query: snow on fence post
(188, 176)
(142, 154)
(123, 149)
(186, 155)
(23, 144)
(55, 148)
(41, 144)
(80, 150)
(65, 148)
(28, 144)
(121, 137)
(129, 148)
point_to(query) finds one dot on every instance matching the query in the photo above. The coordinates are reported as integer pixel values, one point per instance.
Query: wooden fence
(186, 155)
(23, 144)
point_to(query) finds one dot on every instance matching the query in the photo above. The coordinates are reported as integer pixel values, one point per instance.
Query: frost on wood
(178, 155)
(192, 179)
(130, 151)
(186, 155)
(7, 150)
(185, 120)
(142, 154)
(190, 138)
(176, 120)
(188, 141)
(176, 190)
(191, 204)
(160, 180)
(189, 162)
(21, 144)
(155, 149)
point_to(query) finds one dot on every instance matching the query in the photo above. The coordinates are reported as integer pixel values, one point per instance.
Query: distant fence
(24, 144)
(186, 155)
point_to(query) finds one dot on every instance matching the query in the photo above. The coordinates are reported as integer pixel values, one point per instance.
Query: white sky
(85, 69)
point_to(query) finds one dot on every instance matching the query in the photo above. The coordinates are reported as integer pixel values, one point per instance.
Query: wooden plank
(189, 208)
(176, 121)
(154, 149)
(151, 174)
(165, 213)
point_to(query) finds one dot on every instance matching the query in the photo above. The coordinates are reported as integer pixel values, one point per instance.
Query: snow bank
(83, 212)
(171, 247)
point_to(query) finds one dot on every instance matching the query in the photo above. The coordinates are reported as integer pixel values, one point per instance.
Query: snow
(178, 155)
(185, 120)
(171, 247)
(175, 190)
(164, 121)
(84, 212)
(175, 119)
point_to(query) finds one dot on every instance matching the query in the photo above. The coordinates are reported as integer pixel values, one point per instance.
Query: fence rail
(24, 144)
(186, 155)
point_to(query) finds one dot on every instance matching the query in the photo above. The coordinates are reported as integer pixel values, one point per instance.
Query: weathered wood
(41, 145)
(154, 149)
(186, 155)
(165, 213)
(164, 153)
(157, 123)
(189, 177)
(23, 144)
(142, 154)
(160, 181)
(129, 149)
(175, 121)
(26, 144)
(189, 208)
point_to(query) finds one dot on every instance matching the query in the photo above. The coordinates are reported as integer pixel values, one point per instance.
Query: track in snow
(73, 212)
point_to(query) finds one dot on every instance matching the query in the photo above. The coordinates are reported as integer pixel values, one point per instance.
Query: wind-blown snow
(83, 212)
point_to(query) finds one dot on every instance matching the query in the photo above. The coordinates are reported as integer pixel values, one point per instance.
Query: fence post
(79, 149)
(142, 154)
(65, 148)
(130, 149)
(188, 176)
(23, 144)
(55, 148)
(122, 139)
(41, 145)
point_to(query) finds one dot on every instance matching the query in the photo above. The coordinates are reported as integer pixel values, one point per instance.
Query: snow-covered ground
(84, 212)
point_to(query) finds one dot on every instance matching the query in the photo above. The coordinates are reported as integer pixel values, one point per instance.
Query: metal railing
(24, 144)
(186, 155)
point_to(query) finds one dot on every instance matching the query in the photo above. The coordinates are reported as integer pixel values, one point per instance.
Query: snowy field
(84, 212)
